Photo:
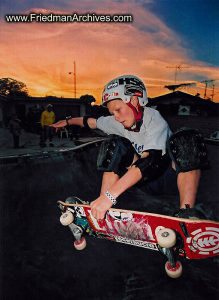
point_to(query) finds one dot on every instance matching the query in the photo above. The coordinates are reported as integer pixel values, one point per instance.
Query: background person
(47, 119)
(15, 129)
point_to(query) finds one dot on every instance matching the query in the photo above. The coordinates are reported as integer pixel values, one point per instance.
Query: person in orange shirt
(47, 118)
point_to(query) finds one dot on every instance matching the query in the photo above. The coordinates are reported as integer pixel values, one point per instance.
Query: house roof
(46, 100)
(179, 97)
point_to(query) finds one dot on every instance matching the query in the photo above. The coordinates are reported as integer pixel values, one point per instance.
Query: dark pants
(46, 133)
(166, 184)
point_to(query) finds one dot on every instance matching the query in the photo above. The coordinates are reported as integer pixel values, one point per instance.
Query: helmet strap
(138, 115)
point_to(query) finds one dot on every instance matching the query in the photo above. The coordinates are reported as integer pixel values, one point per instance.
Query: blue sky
(197, 21)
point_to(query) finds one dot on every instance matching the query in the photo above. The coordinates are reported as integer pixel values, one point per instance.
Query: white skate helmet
(123, 87)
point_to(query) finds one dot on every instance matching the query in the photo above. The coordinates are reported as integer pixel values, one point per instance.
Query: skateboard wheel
(67, 218)
(173, 272)
(80, 244)
(166, 238)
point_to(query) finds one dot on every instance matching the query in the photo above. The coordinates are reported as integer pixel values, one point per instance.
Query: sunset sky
(164, 34)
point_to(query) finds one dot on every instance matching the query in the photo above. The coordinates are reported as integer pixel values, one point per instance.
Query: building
(29, 109)
(32, 107)
(183, 104)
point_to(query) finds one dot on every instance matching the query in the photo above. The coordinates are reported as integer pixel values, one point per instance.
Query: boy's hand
(58, 125)
(100, 206)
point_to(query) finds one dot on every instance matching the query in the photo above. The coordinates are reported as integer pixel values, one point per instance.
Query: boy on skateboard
(141, 147)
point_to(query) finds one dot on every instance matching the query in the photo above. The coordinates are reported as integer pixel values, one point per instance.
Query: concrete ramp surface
(38, 260)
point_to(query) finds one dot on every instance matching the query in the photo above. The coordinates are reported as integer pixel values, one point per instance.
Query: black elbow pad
(85, 120)
(153, 165)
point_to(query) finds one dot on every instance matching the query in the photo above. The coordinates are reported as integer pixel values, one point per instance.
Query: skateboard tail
(203, 242)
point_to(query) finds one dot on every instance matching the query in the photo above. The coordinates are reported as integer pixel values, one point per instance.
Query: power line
(74, 73)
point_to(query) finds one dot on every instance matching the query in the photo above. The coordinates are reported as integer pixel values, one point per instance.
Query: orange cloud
(42, 55)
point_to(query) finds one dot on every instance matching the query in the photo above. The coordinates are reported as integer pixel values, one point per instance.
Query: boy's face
(121, 112)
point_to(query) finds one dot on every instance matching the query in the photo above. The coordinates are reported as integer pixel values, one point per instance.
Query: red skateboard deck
(192, 239)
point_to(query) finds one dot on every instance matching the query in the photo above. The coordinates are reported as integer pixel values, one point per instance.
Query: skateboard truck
(167, 239)
(76, 231)
(67, 219)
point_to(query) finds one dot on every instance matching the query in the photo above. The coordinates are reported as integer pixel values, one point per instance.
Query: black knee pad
(187, 149)
(115, 155)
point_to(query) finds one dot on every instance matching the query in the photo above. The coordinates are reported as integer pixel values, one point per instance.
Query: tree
(10, 87)
(88, 98)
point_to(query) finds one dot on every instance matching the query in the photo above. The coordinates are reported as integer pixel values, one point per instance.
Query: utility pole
(212, 95)
(206, 87)
(74, 73)
(75, 78)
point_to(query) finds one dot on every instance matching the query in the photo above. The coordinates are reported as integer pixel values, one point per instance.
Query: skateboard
(174, 237)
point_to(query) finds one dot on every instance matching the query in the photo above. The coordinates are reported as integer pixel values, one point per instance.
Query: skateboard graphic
(174, 237)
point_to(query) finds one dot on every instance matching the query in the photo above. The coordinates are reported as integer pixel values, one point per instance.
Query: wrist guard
(66, 119)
